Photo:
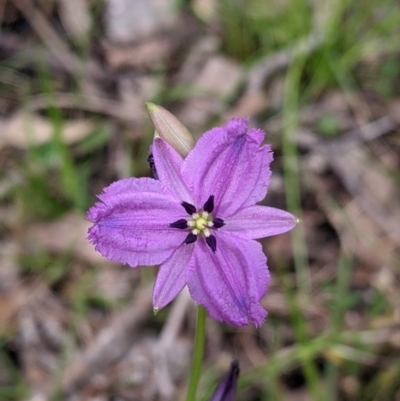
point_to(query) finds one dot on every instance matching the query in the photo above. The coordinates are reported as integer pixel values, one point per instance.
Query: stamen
(218, 223)
(181, 224)
(190, 209)
(211, 241)
(200, 223)
(209, 205)
(190, 239)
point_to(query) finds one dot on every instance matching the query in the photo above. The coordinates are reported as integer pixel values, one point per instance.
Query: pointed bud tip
(156, 310)
(151, 107)
(169, 128)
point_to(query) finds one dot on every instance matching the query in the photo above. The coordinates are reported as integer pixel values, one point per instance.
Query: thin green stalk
(293, 199)
(291, 169)
(69, 173)
(198, 353)
(301, 335)
(342, 287)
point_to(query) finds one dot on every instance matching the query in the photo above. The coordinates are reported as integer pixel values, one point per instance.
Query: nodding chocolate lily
(199, 221)
(226, 389)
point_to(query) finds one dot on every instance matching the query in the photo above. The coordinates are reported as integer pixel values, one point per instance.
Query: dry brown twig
(254, 99)
(350, 168)
(49, 36)
(96, 104)
(367, 227)
(57, 46)
(167, 339)
(111, 345)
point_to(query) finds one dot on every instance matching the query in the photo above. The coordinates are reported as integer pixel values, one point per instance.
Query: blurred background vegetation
(322, 77)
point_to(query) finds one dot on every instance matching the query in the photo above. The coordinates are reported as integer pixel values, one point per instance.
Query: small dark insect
(153, 171)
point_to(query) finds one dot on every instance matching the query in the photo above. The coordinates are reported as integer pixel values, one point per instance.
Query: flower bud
(227, 387)
(171, 129)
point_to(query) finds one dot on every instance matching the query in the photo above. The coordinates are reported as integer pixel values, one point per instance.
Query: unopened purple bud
(227, 387)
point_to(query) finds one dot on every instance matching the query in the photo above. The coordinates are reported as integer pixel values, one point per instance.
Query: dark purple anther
(190, 238)
(218, 223)
(182, 223)
(209, 205)
(211, 241)
(190, 209)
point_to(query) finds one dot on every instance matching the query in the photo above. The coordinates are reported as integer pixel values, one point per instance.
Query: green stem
(291, 169)
(198, 353)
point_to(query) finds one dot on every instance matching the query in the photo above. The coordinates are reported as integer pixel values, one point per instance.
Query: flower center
(200, 223)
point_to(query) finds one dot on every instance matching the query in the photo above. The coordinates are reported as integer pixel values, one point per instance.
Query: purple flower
(225, 390)
(199, 221)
